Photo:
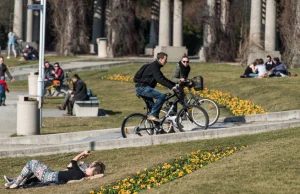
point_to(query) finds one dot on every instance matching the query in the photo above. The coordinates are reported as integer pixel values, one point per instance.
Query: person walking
(4, 70)
(11, 43)
(3, 89)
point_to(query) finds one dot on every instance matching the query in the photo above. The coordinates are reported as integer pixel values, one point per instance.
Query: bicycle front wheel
(136, 124)
(212, 109)
(191, 117)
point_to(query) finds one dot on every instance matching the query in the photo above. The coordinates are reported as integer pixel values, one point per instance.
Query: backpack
(198, 83)
(138, 75)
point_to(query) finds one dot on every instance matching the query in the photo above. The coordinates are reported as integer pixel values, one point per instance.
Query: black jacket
(3, 70)
(152, 75)
(48, 72)
(80, 91)
(270, 65)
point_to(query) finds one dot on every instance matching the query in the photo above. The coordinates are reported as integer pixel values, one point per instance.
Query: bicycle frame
(148, 107)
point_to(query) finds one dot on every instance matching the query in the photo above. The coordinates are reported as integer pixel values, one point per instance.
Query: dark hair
(184, 56)
(2, 57)
(56, 63)
(161, 55)
(46, 62)
(261, 61)
(76, 76)
(100, 167)
(276, 59)
(256, 62)
(268, 56)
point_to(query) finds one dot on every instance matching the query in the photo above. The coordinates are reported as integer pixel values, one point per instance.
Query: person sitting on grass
(249, 70)
(259, 69)
(279, 70)
(46, 175)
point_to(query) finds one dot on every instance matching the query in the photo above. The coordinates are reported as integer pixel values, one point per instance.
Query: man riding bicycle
(150, 77)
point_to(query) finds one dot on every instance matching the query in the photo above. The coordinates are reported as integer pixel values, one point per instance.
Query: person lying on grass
(46, 175)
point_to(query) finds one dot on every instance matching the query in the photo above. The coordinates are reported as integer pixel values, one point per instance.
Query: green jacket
(176, 74)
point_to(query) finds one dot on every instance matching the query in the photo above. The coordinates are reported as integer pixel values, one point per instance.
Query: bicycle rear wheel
(212, 109)
(136, 124)
(190, 116)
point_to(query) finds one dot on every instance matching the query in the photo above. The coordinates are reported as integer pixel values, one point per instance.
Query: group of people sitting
(272, 68)
(53, 75)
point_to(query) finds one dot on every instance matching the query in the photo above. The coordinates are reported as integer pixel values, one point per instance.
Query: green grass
(269, 165)
(118, 99)
(14, 62)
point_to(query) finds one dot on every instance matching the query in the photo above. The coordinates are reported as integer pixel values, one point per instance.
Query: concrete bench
(88, 108)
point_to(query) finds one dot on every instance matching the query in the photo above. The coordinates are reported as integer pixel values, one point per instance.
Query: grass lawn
(269, 165)
(118, 99)
(14, 62)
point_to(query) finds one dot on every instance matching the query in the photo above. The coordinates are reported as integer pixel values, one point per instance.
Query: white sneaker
(8, 180)
(14, 186)
(8, 57)
(283, 75)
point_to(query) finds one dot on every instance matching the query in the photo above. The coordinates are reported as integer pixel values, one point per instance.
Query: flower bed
(167, 172)
(237, 106)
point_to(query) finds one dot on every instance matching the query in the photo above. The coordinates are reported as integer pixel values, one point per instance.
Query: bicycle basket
(197, 83)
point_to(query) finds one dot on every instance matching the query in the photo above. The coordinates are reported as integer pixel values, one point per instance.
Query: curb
(150, 140)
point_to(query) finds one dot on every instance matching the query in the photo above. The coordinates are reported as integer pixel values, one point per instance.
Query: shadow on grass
(102, 112)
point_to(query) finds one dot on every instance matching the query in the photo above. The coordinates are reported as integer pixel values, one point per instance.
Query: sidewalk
(112, 139)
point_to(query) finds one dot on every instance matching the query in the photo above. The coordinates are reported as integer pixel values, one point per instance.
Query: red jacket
(5, 85)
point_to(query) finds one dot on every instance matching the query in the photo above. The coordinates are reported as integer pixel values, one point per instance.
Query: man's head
(162, 58)
(185, 60)
(95, 168)
(75, 78)
(276, 60)
(261, 61)
(269, 58)
(47, 64)
(1, 59)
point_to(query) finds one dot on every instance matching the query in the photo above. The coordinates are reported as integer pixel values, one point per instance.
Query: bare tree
(69, 22)
(123, 34)
(289, 25)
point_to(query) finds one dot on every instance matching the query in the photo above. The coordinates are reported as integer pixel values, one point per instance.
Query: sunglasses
(185, 61)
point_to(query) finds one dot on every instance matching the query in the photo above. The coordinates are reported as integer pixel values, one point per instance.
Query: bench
(88, 108)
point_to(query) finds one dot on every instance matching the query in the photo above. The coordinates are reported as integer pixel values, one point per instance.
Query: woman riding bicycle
(181, 73)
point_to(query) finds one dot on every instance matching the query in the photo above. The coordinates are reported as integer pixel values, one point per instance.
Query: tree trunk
(69, 21)
(123, 35)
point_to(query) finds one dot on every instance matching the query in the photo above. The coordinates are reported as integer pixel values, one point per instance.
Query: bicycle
(137, 123)
(210, 106)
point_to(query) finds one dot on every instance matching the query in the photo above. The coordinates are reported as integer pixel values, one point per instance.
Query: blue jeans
(152, 93)
(253, 75)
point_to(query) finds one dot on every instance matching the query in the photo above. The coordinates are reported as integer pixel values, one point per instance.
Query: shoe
(152, 118)
(7, 185)
(3, 104)
(68, 114)
(8, 57)
(8, 180)
(60, 107)
(14, 186)
(283, 75)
